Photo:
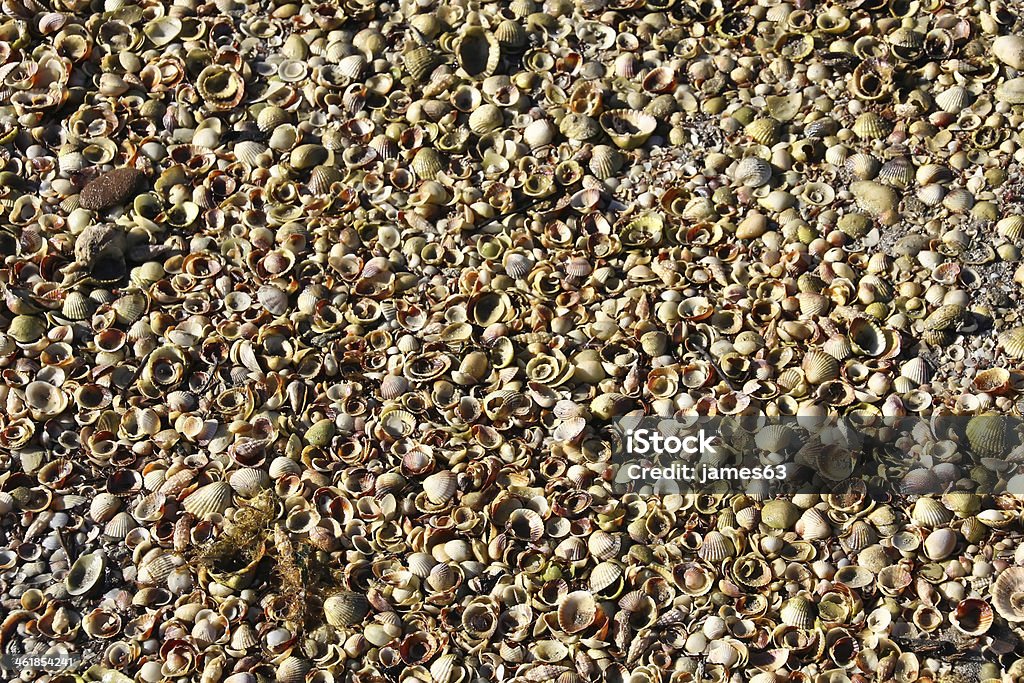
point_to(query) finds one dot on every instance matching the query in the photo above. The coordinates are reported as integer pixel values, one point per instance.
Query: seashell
(799, 612)
(427, 163)
(953, 99)
(579, 127)
(110, 189)
(1008, 594)
(213, 498)
(628, 129)
(1010, 51)
(85, 574)
(764, 131)
(478, 52)
(539, 133)
(525, 524)
(972, 616)
(605, 575)
(76, 306)
(1010, 91)
(780, 514)
(715, 547)
(576, 611)
(854, 576)
(440, 487)
(929, 512)
(1012, 342)
(870, 126)
(819, 367)
(753, 172)
(898, 172)
(345, 608)
(987, 435)
(916, 370)
(605, 161)
(940, 543)
(813, 525)
(992, 381)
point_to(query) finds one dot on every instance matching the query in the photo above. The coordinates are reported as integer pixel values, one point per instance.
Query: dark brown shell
(110, 189)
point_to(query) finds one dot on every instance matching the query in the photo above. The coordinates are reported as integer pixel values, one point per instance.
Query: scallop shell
(819, 367)
(1012, 342)
(870, 126)
(1008, 594)
(440, 487)
(987, 435)
(715, 547)
(485, 118)
(214, 498)
(605, 161)
(953, 99)
(604, 575)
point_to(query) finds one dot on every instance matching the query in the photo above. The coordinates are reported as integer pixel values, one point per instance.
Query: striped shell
(214, 498)
(1008, 594)
(753, 172)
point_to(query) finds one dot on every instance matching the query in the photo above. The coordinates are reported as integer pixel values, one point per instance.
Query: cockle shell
(1008, 594)
(213, 498)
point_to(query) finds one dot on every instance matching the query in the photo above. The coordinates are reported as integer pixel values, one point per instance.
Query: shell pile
(316, 316)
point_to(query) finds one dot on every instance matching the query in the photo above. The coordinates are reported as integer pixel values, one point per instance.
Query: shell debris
(315, 317)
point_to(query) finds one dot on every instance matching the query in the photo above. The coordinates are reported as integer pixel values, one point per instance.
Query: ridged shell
(345, 609)
(799, 612)
(898, 172)
(420, 61)
(605, 161)
(604, 575)
(1012, 342)
(579, 127)
(765, 131)
(76, 306)
(863, 166)
(813, 525)
(929, 512)
(820, 367)
(917, 370)
(871, 126)
(485, 118)
(987, 435)
(440, 487)
(953, 99)
(214, 498)
(427, 163)
(249, 481)
(753, 172)
(478, 52)
(715, 547)
(103, 507)
(1008, 594)
(945, 317)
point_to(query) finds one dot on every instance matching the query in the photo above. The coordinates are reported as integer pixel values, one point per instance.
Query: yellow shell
(764, 131)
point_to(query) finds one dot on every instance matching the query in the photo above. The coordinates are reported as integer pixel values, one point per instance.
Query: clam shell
(213, 498)
(345, 609)
(799, 612)
(577, 611)
(478, 52)
(753, 172)
(440, 487)
(929, 512)
(85, 574)
(628, 129)
(972, 616)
